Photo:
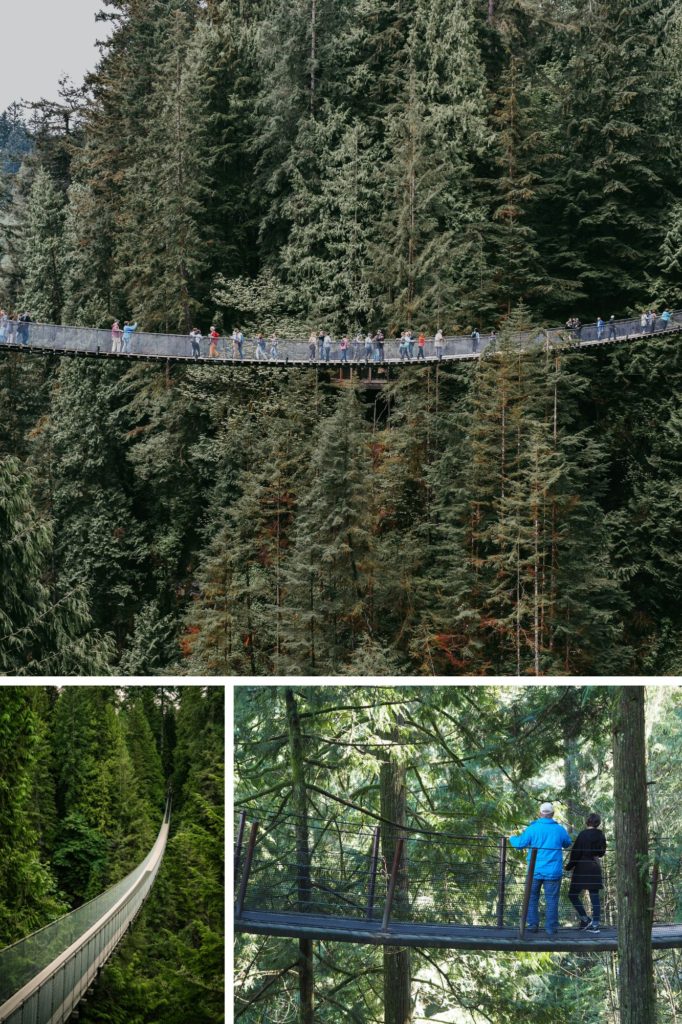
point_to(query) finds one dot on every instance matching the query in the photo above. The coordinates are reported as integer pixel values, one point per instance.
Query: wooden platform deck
(439, 936)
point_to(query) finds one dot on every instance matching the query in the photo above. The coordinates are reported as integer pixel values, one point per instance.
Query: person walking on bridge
(195, 340)
(549, 838)
(439, 344)
(312, 346)
(421, 344)
(611, 336)
(128, 331)
(666, 317)
(583, 861)
(214, 338)
(116, 335)
(22, 330)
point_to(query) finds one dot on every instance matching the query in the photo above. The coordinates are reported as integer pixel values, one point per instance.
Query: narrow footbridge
(44, 976)
(368, 361)
(342, 882)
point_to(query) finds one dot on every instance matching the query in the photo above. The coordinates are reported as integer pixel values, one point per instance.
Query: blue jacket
(549, 838)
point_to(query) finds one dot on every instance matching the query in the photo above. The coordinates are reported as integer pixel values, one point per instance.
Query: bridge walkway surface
(388, 885)
(44, 976)
(439, 936)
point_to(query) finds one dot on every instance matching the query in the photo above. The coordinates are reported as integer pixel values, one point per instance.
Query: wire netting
(443, 878)
(21, 962)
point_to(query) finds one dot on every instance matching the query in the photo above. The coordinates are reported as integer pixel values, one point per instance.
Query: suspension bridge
(341, 882)
(356, 360)
(44, 976)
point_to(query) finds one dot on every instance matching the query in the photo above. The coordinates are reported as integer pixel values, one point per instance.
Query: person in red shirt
(421, 342)
(213, 343)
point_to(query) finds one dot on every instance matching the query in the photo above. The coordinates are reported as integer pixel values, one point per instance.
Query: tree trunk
(397, 962)
(572, 782)
(636, 971)
(299, 803)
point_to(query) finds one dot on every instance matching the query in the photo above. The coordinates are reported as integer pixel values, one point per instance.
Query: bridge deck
(349, 929)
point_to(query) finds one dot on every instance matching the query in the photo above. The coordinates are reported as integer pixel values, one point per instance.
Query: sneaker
(593, 928)
(551, 935)
(584, 922)
(531, 927)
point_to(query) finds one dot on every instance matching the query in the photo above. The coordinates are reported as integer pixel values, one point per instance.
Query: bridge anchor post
(526, 892)
(392, 883)
(373, 873)
(238, 845)
(247, 869)
(501, 882)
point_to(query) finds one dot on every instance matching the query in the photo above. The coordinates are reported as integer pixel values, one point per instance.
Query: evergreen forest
(344, 165)
(84, 772)
(453, 769)
(517, 515)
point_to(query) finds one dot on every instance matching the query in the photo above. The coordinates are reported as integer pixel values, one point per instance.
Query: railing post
(247, 869)
(501, 881)
(238, 844)
(373, 873)
(655, 878)
(392, 883)
(526, 892)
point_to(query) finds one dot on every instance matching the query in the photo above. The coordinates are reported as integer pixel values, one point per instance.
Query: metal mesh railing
(475, 881)
(43, 976)
(55, 338)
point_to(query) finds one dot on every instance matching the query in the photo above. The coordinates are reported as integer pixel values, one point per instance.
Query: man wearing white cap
(549, 838)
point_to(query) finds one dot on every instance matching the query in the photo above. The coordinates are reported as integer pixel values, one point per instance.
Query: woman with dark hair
(583, 861)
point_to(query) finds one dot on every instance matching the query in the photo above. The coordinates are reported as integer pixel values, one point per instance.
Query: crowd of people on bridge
(549, 839)
(357, 347)
(649, 322)
(322, 347)
(15, 328)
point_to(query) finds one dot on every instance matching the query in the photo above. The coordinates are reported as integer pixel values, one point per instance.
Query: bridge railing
(459, 880)
(44, 976)
(73, 339)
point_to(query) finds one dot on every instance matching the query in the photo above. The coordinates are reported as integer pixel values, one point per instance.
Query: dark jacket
(583, 860)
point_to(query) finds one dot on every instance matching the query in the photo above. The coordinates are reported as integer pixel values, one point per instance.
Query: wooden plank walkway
(439, 936)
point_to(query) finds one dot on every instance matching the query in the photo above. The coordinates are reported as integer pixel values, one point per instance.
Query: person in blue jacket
(549, 838)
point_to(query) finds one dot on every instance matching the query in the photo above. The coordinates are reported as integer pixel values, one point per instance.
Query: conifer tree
(45, 628)
(331, 567)
(169, 241)
(40, 250)
(28, 896)
(99, 545)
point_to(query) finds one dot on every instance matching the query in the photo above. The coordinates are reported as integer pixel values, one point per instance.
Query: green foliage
(81, 797)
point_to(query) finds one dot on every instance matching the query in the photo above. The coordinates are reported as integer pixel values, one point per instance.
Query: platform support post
(238, 844)
(526, 892)
(655, 879)
(392, 883)
(501, 881)
(373, 874)
(247, 869)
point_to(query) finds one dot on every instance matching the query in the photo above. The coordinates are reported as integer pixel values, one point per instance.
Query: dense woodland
(518, 515)
(367, 163)
(313, 764)
(84, 775)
